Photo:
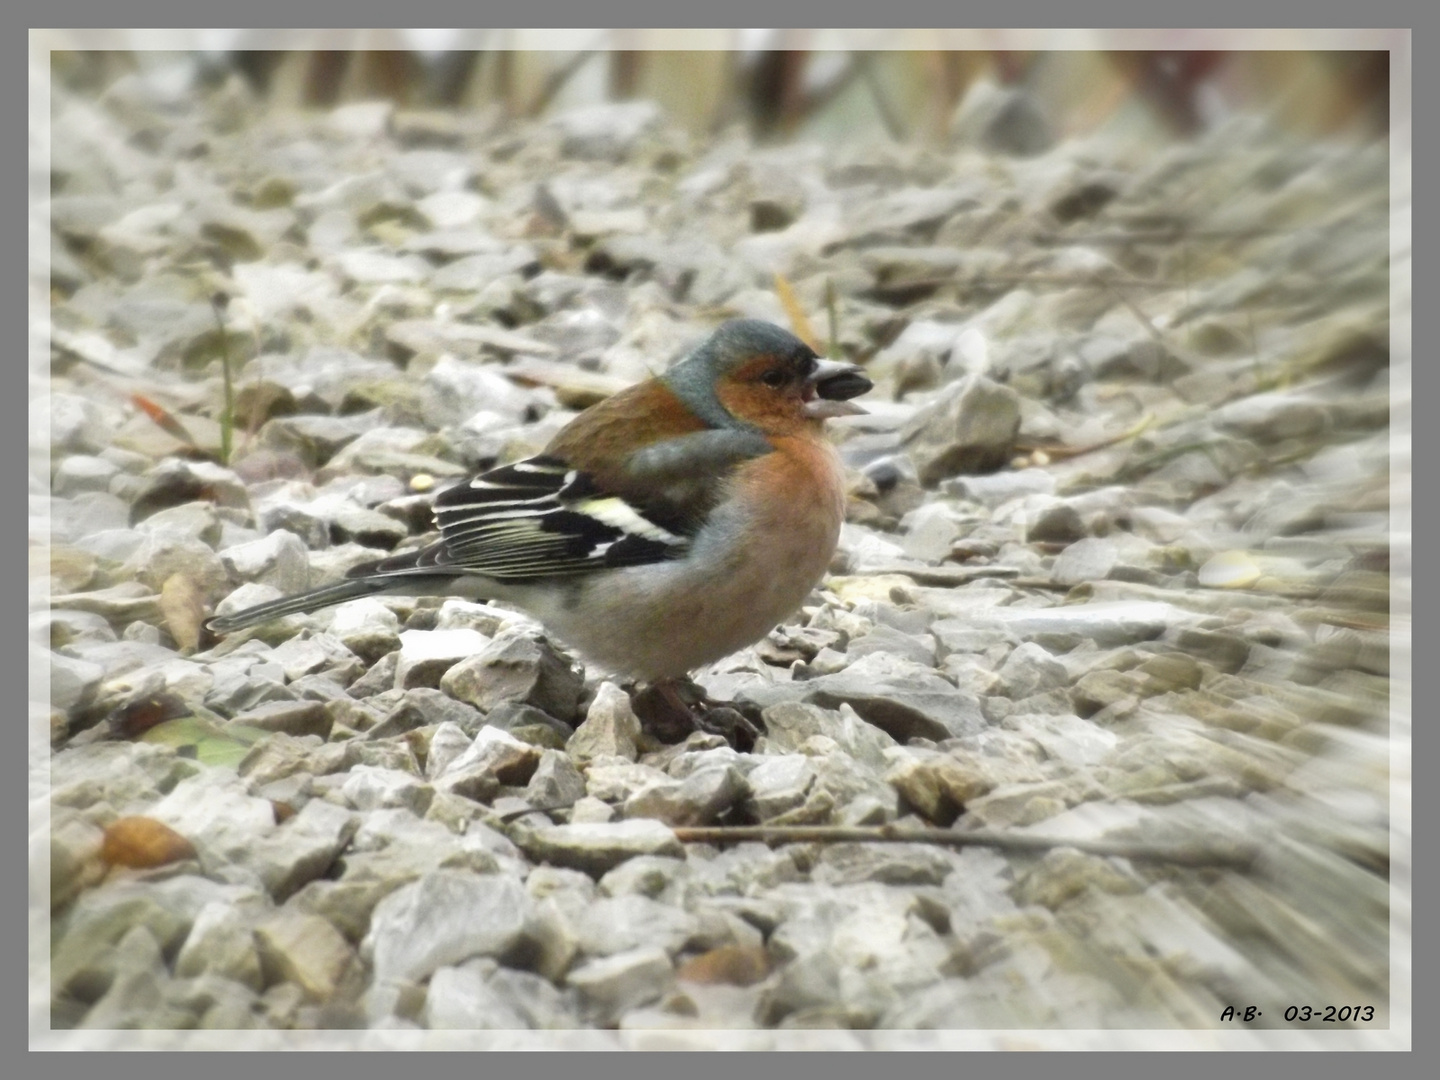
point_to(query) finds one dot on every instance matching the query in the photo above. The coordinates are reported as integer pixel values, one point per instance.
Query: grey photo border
(1399, 45)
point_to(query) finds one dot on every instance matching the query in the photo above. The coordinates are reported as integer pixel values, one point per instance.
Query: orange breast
(800, 490)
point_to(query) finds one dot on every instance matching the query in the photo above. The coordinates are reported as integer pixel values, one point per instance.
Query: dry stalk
(1234, 855)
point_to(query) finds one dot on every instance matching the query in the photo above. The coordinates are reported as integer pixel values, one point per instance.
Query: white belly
(663, 620)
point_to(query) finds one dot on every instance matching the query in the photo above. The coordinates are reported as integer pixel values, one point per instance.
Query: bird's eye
(773, 377)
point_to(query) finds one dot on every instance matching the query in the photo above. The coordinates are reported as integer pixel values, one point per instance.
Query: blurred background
(1137, 311)
(789, 84)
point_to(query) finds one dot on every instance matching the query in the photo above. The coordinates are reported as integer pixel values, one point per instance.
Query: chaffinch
(661, 529)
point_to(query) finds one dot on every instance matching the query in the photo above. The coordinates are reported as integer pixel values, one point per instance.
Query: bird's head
(754, 374)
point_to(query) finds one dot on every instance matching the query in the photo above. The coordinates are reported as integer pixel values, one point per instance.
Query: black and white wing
(536, 518)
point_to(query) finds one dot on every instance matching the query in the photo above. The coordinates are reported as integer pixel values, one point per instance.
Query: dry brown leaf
(737, 965)
(799, 324)
(163, 418)
(183, 606)
(142, 842)
(134, 718)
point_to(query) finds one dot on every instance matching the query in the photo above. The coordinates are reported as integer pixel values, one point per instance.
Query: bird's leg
(672, 708)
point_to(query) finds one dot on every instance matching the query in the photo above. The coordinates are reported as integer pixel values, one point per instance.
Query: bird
(663, 528)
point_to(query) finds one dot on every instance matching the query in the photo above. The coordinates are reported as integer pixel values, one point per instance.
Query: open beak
(831, 385)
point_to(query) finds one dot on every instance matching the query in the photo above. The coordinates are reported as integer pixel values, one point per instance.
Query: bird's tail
(301, 602)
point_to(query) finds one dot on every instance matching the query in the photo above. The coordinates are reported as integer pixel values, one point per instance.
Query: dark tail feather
(301, 602)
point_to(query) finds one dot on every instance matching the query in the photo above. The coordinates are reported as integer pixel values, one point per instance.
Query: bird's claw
(671, 709)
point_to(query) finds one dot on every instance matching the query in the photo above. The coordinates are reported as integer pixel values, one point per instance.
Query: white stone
(280, 559)
(444, 918)
(425, 655)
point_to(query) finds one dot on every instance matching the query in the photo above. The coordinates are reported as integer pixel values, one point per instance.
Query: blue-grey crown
(732, 343)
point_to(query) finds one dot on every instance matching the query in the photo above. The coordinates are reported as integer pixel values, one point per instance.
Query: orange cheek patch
(743, 399)
(768, 409)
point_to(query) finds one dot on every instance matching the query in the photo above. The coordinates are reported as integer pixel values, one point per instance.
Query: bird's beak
(833, 383)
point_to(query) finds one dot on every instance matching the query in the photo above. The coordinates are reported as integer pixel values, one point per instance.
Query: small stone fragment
(610, 727)
(305, 950)
(597, 848)
(520, 667)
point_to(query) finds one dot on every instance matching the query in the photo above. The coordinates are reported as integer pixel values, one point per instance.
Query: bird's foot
(670, 709)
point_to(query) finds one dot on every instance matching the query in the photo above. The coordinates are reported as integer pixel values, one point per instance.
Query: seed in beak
(837, 381)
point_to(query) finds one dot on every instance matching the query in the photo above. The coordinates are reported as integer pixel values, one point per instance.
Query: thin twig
(1185, 275)
(980, 280)
(557, 80)
(1134, 309)
(218, 303)
(1060, 451)
(808, 104)
(1260, 378)
(893, 124)
(1173, 234)
(1135, 469)
(799, 321)
(1043, 584)
(830, 310)
(946, 575)
(1236, 855)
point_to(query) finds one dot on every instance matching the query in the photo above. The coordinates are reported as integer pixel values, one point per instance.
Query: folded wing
(542, 518)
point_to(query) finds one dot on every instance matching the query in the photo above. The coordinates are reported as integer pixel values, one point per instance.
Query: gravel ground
(1116, 569)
